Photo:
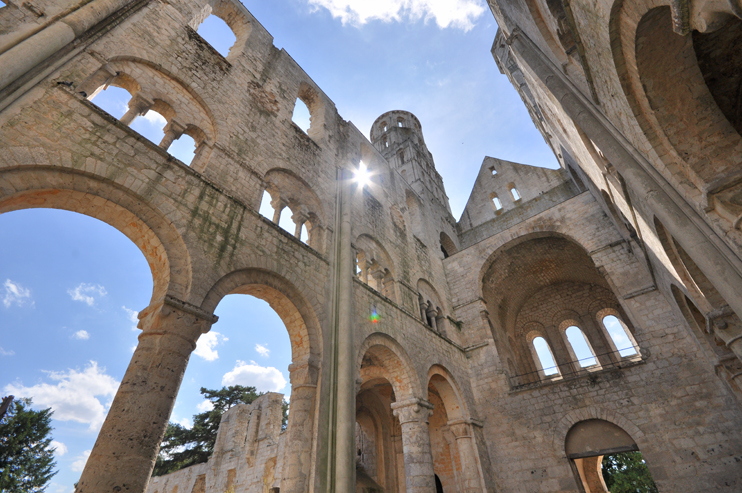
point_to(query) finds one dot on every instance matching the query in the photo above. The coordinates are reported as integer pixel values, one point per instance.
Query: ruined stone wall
(434, 311)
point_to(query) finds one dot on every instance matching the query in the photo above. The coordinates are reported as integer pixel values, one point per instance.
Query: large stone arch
(149, 229)
(305, 333)
(296, 312)
(594, 412)
(692, 142)
(448, 389)
(534, 278)
(390, 361)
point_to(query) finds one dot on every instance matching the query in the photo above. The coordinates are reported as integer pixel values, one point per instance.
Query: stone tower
(398, 136)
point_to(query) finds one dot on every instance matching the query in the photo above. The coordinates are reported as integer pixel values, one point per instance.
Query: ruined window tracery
(374, 266)
(301, 116)
(224, 25)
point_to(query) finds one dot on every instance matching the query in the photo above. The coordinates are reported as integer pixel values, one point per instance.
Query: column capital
(140, 103)
(175, 127)
(412, 410)
(304, 373)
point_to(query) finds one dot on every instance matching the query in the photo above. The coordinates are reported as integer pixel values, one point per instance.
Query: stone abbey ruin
(633, 248)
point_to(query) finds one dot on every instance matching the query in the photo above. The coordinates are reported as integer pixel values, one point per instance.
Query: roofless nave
(635, 239)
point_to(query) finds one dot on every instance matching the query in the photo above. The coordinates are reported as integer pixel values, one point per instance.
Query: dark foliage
(26, 460)
(627, 473)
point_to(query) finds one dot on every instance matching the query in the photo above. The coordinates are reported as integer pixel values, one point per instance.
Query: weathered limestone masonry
(413, 336)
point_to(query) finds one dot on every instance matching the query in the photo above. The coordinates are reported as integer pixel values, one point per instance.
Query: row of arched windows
(496, 203)
(580, 349)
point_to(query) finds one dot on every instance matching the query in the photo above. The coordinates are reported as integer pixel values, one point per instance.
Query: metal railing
(575, 369)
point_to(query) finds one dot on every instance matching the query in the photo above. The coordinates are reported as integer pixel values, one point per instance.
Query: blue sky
(70, 286)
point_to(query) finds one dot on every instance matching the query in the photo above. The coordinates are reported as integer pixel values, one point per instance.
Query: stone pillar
(97, 82)
(124, 453)
(422, 304)
(173, 130)
(139, 104)
(418, 458)
(297, 459)
(471, 478)
(278, 205)
(201, 156)
(34, 50)
(378, 274)
(299, 219)
(431, 313)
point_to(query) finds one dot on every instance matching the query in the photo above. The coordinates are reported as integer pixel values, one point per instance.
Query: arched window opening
(493, 171)
(183, 148)
(151, 125)
(218, 34)
(301, 116)
(385, 141)
(400, 157)
(620, 335)
(400, 122)
(514, 193)
(604, 456)
(496, 203)
(384, 127)
(113, 100)
(71, 289)
(256, 356)
(581, 347)
(266, 209)
(285, 222)
(544, 357)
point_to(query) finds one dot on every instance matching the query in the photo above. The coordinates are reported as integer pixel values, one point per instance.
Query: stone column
(278, 205)
(139, 104)
(432, 313)
(34, 50)
(471, 478)
(378, 274)
(422, 304)
(297, 459)
(173, 130)
(299, 219)
(418, 458)
(124, 453)
(201, 156)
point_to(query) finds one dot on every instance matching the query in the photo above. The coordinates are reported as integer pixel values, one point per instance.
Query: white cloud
(87, 293)
(59, 448)
(16, 294)
(74, 395)
(262, 350)
(205, 406)
(6, 352)
(206, 344)
(446, 13)
(155, 118)
(80, 461)
(264, 379)
(82, 335)
(133, 316)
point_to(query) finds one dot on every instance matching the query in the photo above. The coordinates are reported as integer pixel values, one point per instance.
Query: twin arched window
(582, 355)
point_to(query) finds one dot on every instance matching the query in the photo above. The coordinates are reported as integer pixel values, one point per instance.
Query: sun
(362, 175)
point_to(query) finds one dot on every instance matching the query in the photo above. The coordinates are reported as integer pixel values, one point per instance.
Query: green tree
(26, 459)
(627, 473)
(183, 447)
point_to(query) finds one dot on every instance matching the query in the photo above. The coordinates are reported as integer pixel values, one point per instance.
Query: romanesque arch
(689, 125)
(538, 286)
(153, 233)
(305, 334)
